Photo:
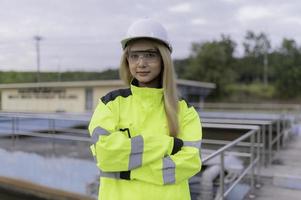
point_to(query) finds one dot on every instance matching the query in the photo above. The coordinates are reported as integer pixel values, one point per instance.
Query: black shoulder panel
(111, 96)
(183, 99)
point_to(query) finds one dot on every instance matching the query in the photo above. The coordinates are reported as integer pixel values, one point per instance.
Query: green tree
(212, 62)
(181, 66)
(287, 60)
(256, 52)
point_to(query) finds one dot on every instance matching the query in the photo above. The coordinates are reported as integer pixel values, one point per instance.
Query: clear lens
(148, 56)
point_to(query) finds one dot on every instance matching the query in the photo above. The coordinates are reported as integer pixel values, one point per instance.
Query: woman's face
(145, 63)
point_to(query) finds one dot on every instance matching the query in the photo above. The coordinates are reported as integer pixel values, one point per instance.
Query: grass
(254, 92)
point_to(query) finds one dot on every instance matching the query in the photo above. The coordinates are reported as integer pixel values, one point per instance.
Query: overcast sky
(86, 34)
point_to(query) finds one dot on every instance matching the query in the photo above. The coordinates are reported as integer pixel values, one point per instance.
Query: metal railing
(254, 156)
(254, 135)
(275, 129)
(269, 107)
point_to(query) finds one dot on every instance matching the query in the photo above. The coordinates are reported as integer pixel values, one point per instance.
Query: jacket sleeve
(113, 149)
(175, 168)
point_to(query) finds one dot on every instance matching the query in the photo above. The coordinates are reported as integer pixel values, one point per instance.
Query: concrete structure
(78, 96)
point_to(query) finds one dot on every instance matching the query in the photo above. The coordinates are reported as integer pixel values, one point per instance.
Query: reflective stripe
(98, 131)
(136, 152)
(196, 144)
(169, 171)
(115, 175)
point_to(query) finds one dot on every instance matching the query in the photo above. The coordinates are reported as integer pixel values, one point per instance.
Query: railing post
(284, 126)
(222, 188)
(13, 131)
(270, 144)
(17, 129)
(278, 134)
(259, 163)
(263, 159)
(51, 130)
(252, 150)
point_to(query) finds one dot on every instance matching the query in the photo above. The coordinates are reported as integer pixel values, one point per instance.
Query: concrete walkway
(282, 180)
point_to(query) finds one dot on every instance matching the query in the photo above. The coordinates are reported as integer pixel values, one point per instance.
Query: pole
(265, 65)
(38, 39)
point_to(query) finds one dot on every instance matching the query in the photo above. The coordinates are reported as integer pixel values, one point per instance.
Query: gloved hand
(125, 175)
(177, 145)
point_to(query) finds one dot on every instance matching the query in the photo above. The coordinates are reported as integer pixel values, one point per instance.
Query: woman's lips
(143, 73)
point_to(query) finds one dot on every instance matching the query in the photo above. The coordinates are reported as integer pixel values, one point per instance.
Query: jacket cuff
(125, 175)
(177, 145)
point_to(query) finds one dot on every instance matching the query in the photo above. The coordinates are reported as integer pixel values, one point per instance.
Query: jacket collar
(145, 93)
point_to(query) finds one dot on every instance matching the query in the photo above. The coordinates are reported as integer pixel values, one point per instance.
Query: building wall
(72, 97)
(44, 99)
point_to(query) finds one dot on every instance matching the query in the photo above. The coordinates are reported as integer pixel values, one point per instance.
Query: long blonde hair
(168, 84)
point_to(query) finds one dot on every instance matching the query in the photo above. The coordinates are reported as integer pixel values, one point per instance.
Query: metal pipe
(207, 182)
(247, 169)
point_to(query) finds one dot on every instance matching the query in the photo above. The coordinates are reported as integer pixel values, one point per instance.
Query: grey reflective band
(135, 159)
(196, 144)
(169, 171)
(115, 175)
(98, 131)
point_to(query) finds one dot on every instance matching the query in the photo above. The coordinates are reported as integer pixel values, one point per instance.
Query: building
(78, 96)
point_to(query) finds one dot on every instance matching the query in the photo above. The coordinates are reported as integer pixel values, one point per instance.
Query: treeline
(29, 77)
(259, 73)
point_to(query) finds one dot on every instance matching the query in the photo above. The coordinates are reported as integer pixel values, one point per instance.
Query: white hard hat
(146, 28)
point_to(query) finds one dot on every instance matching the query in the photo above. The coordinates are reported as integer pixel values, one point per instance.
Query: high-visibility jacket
(133, 149)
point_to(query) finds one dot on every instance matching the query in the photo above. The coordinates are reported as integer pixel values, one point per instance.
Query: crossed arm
(158, 159)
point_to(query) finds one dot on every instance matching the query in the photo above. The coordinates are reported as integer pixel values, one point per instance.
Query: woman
(146, 140)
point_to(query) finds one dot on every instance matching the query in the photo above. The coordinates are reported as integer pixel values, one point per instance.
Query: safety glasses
(148, 56)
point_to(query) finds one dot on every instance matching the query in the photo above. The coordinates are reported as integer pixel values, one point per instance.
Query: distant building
(78, 96)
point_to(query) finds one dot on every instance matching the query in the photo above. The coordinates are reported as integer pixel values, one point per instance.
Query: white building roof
(118, 83)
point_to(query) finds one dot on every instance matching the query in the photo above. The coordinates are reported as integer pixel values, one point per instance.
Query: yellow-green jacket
(137, 158)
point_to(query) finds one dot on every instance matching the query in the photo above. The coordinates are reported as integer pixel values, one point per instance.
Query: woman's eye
(134, 56)
(150, 55)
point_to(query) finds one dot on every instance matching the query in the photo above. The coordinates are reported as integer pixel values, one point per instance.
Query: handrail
(251, 133)
(222, 149)
(251, 167)
(250, 106)
(60, 137)
(49, 116)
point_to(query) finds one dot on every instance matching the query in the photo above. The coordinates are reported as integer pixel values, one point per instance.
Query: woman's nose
(141, 61)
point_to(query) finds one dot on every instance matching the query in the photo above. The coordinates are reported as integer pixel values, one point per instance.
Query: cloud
(198, 21)
(180, 8)
(232, 1)
(249, 13)
(86, 34)
(292, 20)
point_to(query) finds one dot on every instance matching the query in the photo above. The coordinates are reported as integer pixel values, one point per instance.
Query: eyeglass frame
(142, 55)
